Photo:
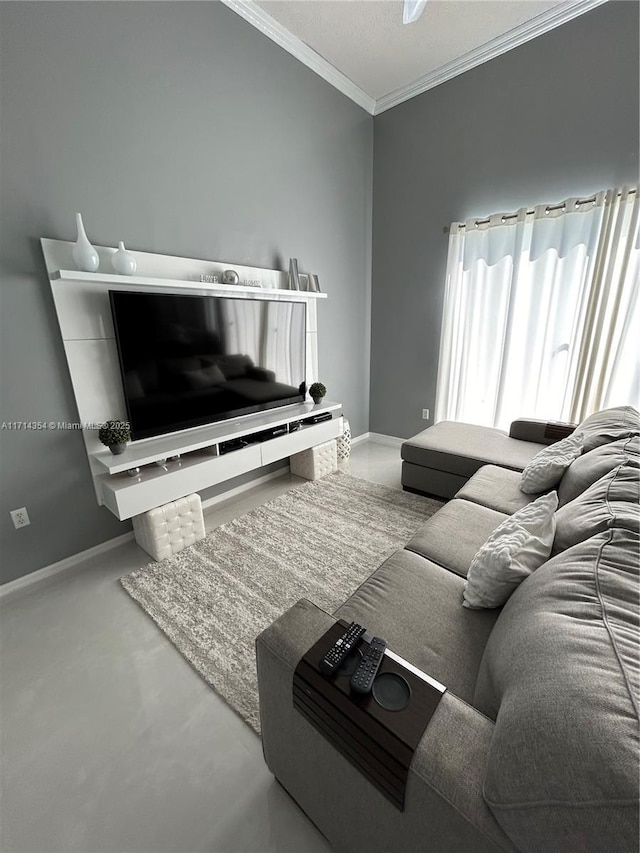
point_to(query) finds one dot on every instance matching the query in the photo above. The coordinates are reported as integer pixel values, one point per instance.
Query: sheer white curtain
(519, 306)
(609, 358)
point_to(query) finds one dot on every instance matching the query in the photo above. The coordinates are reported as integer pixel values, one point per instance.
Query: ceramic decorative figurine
(123, 262)
(84, 255)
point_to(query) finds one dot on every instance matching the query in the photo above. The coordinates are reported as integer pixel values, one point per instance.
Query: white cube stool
(167, 529)
(315, 462)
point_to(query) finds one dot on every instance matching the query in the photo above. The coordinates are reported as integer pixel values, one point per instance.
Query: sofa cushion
(593, 465)
(463, 448)
(453, 536)
(415, 606)
(612, 501)
(516, 548)
(560, 675)
(496, 488)
(609, 425)
(546, 468)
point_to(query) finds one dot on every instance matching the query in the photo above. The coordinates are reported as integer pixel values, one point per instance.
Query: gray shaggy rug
(317, 541)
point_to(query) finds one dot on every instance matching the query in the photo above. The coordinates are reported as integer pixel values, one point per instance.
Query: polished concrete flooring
(110, 741)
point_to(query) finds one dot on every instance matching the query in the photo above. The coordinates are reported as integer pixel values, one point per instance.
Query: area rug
(317, 541)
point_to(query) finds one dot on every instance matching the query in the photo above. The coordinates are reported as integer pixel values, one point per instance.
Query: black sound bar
(318, 419)
(266, 434)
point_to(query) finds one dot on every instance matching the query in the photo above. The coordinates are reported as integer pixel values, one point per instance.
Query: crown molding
(261, 20)
(531, 29)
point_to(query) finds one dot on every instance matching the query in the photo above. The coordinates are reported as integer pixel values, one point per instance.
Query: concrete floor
(110, 741)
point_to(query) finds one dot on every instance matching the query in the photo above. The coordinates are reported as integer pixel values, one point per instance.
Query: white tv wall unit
(82, 305)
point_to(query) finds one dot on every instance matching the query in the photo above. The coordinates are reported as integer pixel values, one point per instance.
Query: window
(541, 313)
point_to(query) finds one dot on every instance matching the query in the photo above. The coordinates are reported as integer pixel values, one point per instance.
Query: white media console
(202, 460)
(174, 465)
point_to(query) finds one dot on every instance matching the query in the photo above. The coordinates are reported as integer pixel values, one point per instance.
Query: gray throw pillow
(612, 501)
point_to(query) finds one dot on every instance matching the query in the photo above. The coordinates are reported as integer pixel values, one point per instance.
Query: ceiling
(363, 48)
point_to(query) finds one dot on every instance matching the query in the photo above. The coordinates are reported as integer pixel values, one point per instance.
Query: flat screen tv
(192, 360)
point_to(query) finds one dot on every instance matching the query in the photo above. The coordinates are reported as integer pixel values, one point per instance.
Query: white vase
(123, 262)
(84, 255)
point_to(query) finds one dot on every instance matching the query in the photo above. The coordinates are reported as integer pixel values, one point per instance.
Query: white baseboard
(63, 565)
(358, 439)
(380, 438)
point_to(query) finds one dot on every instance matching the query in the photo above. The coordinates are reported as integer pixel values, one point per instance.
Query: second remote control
(363, 678)
(341, 648)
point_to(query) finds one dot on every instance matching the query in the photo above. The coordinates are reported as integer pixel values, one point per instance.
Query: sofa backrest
(560, 673)
(560, 676)
(609, 437)
(591, 466)
(608, 425)
(612, 501)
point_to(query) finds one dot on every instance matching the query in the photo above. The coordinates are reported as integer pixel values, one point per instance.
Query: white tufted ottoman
(167, 529)
(315, 462)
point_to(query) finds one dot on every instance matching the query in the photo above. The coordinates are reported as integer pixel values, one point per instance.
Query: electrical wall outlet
(425, 414)
(20, 517)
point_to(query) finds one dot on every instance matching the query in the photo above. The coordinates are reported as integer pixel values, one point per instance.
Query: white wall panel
(83, 310)
(312, 358)
(312, 315)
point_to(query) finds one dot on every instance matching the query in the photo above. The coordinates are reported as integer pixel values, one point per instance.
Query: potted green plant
(115, 435)
(317, 392)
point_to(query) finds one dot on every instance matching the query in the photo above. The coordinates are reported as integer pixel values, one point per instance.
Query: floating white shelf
(177, 284)
(150, 450)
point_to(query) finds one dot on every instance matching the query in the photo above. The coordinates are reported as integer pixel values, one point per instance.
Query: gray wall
(180, 129)
(553, 118)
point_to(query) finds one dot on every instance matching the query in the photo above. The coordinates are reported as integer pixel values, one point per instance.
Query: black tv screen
(193, 360)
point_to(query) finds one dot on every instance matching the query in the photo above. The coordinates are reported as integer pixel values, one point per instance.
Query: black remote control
(341, 648)
(363, 678)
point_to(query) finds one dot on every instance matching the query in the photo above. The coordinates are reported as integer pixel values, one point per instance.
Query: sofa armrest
(543, 432)
(444, 809)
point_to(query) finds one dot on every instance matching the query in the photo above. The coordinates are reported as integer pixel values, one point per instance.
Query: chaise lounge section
(534, 746)
(439, 460)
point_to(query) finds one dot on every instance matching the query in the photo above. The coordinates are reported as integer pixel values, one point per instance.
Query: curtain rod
(548, 209)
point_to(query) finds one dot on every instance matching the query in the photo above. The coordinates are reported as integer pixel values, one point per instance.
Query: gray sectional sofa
(534, 746)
